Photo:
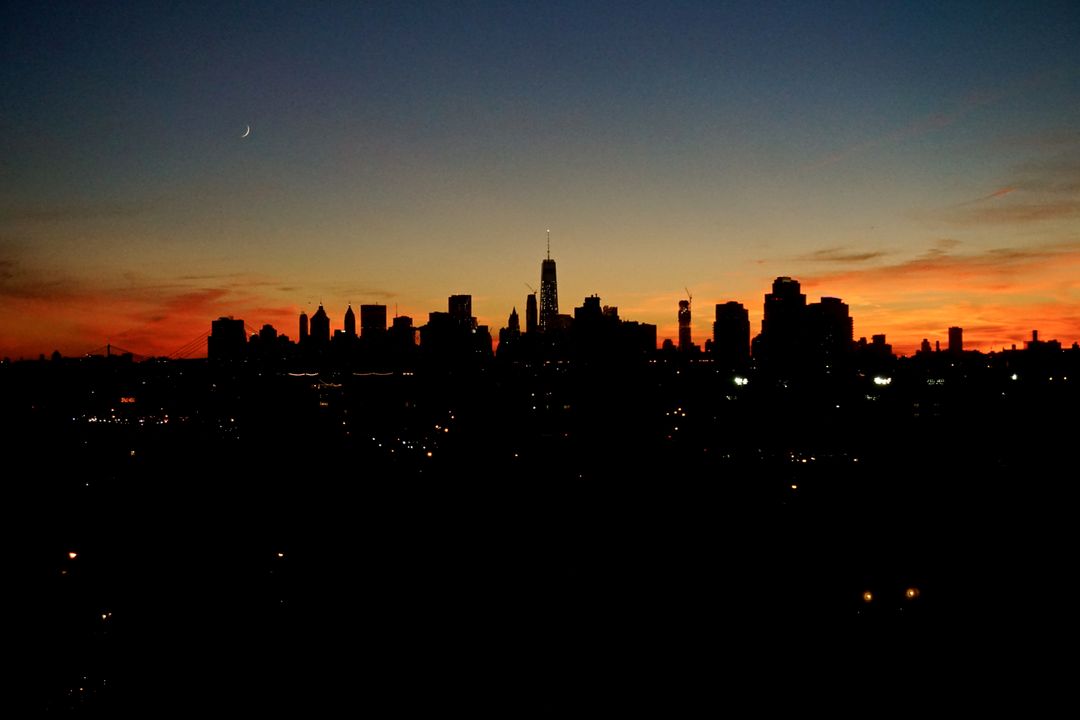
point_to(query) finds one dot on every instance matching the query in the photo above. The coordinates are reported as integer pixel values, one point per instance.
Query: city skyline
(165, 168)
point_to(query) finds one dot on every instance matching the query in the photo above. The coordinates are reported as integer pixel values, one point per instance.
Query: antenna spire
(549, 244)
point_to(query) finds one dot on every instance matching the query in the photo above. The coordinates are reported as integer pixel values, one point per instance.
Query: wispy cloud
(1040, 190)
(842, 255)
(1016, 213)
(999, 295)
(151, 316)
(360, 293)
(1001, 192)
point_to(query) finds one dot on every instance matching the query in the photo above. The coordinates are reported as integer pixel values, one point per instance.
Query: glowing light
(794, 486)
(1014, 376)
(429, 453)
(911, 593)
(879, 380)
(72, 555)
(868, 596)
(740, 381)
(281, 555)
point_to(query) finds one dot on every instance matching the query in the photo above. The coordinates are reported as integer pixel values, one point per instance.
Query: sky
(919, 160)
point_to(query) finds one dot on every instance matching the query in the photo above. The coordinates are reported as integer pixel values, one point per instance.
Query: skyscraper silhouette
(320, 327)
(549, 292)
(731, 334)
(779, 346)
(460, 307)
(227, 339)
(303, 327)
(372, 320)
(684, 325)
(956, 340)
(531, 321)
(350, 322)
(509, 335)
(828, 332)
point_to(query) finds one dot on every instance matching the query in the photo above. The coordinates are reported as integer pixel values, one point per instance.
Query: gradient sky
(919, 160)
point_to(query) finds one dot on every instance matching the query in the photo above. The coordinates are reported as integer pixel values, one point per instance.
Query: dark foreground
(282, 542)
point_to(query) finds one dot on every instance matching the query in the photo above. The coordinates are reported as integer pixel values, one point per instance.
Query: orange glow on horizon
(997, 296)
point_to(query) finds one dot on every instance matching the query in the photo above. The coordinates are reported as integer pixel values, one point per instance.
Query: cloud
(1002, 192)
(998, 295)
(938, 261)
(1041, 189)
(364, 292)
(1016, 214)
(842, 255)
(151, 316)
(219, 276)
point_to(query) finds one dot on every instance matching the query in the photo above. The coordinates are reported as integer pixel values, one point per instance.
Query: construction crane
(534, 291)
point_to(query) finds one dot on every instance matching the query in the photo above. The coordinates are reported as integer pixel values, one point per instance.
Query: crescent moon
(247, 131)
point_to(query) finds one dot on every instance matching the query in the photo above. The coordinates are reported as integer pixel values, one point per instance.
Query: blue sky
(401, 152)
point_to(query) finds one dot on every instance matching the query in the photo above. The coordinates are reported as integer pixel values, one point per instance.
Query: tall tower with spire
(350, 322)
(549, 291)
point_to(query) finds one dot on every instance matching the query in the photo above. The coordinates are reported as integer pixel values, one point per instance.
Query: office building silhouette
(372, 320)
(320, 328)
(956, 340)
(531, 320)
(227, 340)
(731, 334)
(828, 332)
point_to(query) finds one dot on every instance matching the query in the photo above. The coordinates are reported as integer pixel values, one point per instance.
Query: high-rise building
(350, 322)
(684, 326)
(320, 327)
(303, 328)
(227, 339)
(460, 307)
(784, 306)
(531, 322)
(780, 344)
(372, 320)
(828, 331)
(402, 333)
(509, 335)
(879, 345)
(956, 340)
(731, 334)
(549, 292)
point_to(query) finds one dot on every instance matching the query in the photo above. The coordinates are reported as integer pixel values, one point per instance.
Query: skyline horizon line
(902, 348)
